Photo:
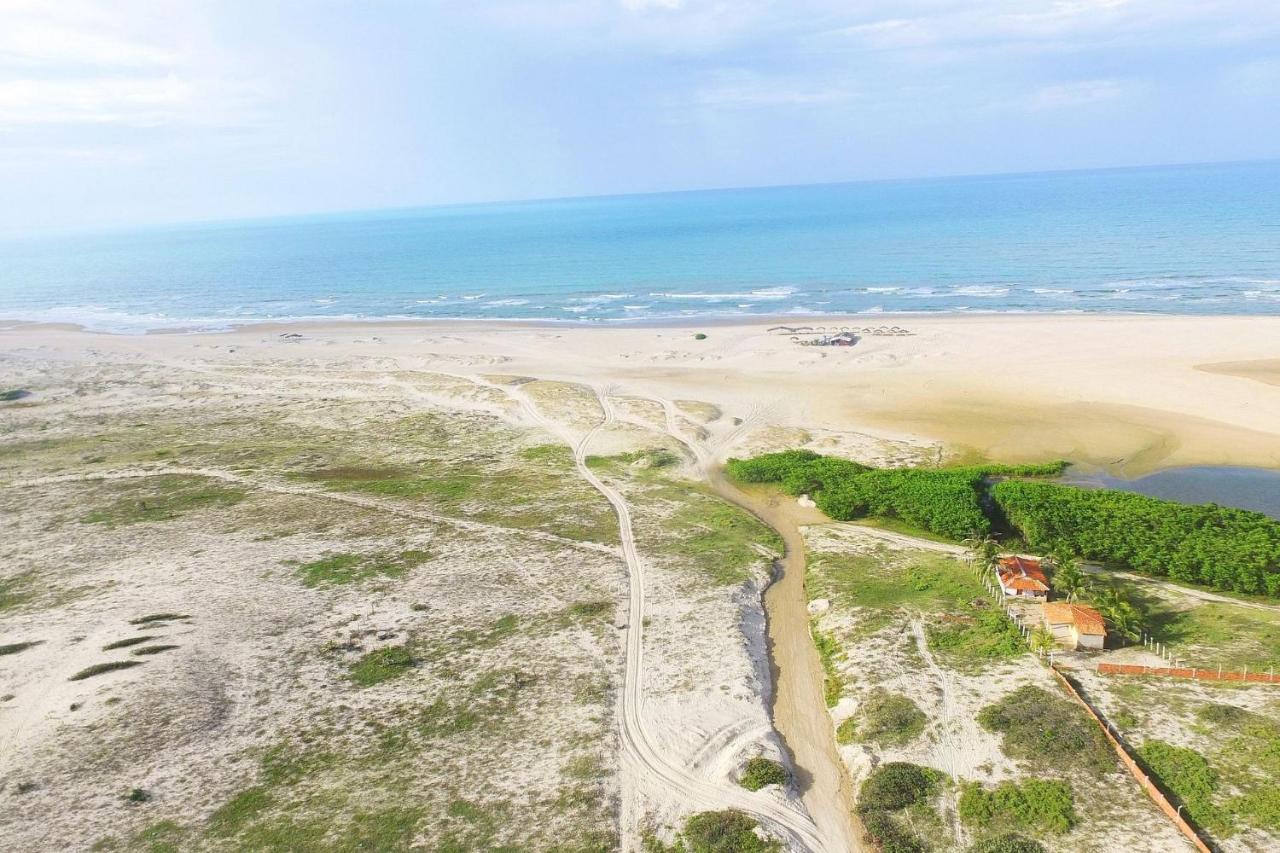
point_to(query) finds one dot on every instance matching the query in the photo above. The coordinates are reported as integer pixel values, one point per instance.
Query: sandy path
(644, 760)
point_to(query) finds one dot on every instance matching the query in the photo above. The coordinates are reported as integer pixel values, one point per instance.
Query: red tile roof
(1022, 573)
(1086, 619)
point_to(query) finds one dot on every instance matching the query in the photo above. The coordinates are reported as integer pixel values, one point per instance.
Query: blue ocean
(1188, 239)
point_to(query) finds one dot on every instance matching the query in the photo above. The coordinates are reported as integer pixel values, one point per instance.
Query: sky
(132, 112)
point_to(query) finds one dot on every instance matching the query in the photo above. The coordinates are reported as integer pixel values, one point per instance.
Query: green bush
(1261, 807)
(889, 719)
(1187, 775)
(728, 831)
(762, 771)
(889, 835)
(1008, 843)
(1225, 548)
(1036, 804)
(1048, 731)
(895, 786)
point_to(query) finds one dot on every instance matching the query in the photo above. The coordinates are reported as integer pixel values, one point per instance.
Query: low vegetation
(1047, 731)
(382, 665)
(14, 648)
(890, 790)
(154, 650)
(728, 831)
(16, 591)
(1186, 775)
(761, 771)
(829, 654)
(158, 617)
(100, 668)
(885, 719)
(161, 499)
(339, 569)
(1034, 805)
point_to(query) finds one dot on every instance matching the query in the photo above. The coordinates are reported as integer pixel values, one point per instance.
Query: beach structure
(843, 339)
(1075, 626)
(1022, 577)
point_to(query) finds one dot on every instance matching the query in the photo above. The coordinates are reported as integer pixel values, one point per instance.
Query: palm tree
(984, 550)
(1041, 640)
(1068, 580)
(1126, 620)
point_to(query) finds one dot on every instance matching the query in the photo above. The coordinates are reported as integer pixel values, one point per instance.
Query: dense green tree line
(1221, 547)
(1227, 549)
(946, 501)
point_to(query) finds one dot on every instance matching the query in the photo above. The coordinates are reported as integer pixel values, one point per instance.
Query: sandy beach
(1127, 393)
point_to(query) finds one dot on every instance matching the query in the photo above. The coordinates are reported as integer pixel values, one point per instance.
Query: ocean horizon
(1199, 239)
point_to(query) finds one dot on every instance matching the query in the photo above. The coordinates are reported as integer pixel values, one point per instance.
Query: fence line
(1186, 672)
(1136, 770)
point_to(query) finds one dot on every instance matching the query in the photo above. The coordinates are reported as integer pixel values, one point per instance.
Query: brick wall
(1185, 672)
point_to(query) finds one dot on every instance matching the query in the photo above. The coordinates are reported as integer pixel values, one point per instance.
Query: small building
(1022, 577)
(843, 339)
(1075, 626)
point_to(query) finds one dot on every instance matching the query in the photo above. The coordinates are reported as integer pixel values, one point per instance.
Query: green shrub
(1228, 549)
(889, 719)
(762, 771)
(1187, 775)
(990, 636)
(1048, 731)
(847, 732)
(1260, 807)
(700, 336)
(728, 831)
(158, 617)
(100, 668)
(14, 648)
(154, 650)
(895, 786)
(828, 653)
(1008, 843)
(1036, 804)
(889, 835)
(382, 665)
(128, 641)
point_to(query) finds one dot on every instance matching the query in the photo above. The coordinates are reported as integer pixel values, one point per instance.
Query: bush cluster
(1228, 549)
(1047, 731)
(1007, 843)
(889, 719)
(762, 771)
(1036, 804)
(1187, 775)
(892, 788)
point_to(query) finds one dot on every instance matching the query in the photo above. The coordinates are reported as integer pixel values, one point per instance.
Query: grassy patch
(973, 642)
(14, 648)
(887, 719)
(700, 529)
(915, 580)
(1047, 731)
(127, 642)
(382, 665)
(829, 654)
(338, 569)
(100, 668)
(1187, 775)
(1036, 805)
(16, 591)
(161, 499)
(728, 831)
(761, 771)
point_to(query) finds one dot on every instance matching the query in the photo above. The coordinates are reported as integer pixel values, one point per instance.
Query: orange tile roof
(1086, 619)
(1022, 573)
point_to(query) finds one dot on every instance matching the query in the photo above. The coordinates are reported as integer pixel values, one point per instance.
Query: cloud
(131, 100)
(1074, 94)
(741, 88)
